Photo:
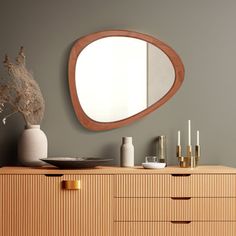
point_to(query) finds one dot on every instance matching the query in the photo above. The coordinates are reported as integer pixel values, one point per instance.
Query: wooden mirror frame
(81, 43)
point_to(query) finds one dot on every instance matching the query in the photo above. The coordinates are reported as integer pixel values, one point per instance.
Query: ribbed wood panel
(211, 185)
(167, 209)
(170, 229)
(1, 204)
(119, 202)
(142, 185)
(196, 185)
(36, 205)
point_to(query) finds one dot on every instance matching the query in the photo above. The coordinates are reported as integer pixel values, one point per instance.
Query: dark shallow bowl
(75, 162)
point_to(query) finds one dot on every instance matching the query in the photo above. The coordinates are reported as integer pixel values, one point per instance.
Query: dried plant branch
(21, 91)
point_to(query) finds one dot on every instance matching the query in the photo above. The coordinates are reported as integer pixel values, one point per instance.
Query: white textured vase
(32, 146)
(127, 152)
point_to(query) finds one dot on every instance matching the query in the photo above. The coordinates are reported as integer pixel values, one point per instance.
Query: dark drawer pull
(53, 175)
(180, 198)
(180, 175)
(181, 222)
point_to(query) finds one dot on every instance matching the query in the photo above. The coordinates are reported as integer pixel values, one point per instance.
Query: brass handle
(180, 222)
(71, 184)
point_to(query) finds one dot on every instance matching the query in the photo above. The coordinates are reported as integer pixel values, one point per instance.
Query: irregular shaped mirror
(116, 77)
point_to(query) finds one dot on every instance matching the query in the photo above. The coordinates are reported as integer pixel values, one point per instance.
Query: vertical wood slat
(169, 229)
(166, 185)
(1, 206)
(167, 209)
(36, 205)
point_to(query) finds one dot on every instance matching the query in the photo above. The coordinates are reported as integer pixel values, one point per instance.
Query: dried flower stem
(9, 115)
(21, 91)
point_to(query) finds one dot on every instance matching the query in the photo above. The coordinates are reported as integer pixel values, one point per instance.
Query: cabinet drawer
(168, 209)
(175, 229)
(175, 185)
(39, 205)
(142, 185)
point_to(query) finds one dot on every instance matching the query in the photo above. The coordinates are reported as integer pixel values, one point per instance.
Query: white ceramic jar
(32, 146)
(127, 152)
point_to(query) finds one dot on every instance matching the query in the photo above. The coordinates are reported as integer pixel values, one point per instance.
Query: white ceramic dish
(153, 165)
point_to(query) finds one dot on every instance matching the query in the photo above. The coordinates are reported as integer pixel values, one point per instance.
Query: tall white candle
(178, 138)
(189, 132)
(198, 137)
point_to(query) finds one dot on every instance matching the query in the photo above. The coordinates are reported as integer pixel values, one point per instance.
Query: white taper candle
(178, 137)
(198, 137)
(189, 132)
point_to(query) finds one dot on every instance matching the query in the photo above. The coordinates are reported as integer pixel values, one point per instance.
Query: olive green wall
(202, 32)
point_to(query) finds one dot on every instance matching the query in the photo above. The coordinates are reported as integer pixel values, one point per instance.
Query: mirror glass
(117, 77)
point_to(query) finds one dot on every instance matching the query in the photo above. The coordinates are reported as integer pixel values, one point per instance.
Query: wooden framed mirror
(117, 77)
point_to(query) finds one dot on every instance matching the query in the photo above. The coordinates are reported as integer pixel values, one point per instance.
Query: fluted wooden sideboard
(113, 201)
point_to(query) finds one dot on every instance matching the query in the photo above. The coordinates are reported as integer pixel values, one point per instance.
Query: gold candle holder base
(189, 160)
(183, 162)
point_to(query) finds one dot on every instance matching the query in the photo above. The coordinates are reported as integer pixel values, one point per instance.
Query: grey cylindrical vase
(32, 146)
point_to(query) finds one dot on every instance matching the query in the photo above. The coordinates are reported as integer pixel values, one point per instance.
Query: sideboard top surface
(117, 170)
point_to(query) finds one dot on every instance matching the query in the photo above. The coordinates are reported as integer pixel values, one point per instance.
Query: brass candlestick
(189, 160)
(197, 153)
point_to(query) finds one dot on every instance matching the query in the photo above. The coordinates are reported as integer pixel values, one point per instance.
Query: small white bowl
(153, 165)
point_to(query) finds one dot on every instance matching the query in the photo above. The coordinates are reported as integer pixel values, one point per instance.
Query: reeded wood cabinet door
(38, 205)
